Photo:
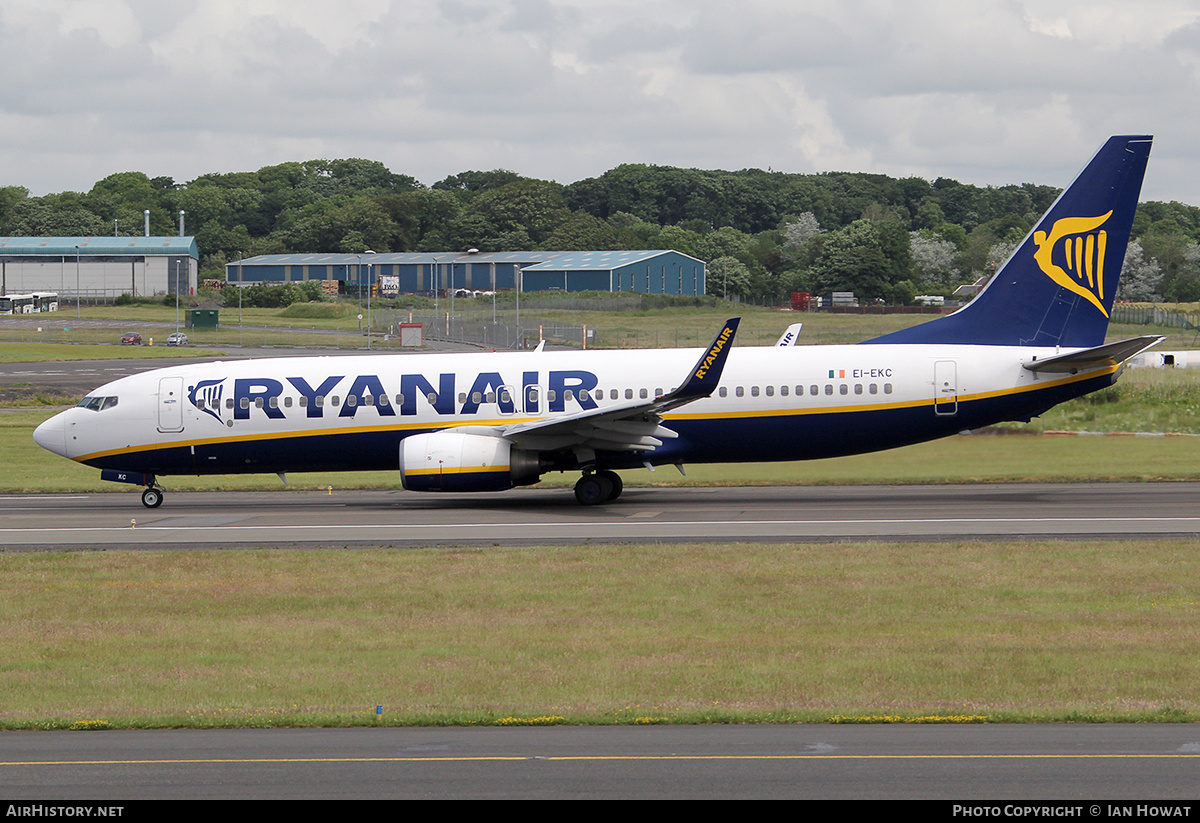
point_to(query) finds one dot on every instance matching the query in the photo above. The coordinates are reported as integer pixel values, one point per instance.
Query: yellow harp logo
(1079, 244)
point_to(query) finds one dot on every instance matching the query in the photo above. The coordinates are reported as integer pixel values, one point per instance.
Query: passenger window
(643, 394)
(858, 388)
(351, 400)
(399, 400)
(613, 394)
(246, 402)
(287, 402)
(723, 391)
(887, 388)
(629, 394)
(828, 388)
(229, 402)
(874, 388)
(843, 389)
(303, 402)
(476, 398)
(462, 397)
(783, 391)
(754, 391)
(273, 402)
(740, 391)
(432, 398)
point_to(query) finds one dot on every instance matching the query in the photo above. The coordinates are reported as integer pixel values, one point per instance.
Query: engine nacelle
(453, 461)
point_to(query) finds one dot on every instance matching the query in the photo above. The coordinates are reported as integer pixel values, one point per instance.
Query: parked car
(177, 339)
(131, 338)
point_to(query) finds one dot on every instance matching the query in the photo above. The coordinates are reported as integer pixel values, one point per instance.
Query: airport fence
(1154, 316)
(480, 329)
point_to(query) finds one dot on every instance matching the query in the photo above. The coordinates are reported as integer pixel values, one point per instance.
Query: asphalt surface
(1089, 768)
(214, 520)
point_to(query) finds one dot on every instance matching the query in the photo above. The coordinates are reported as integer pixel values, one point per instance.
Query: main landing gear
(152, 497)
(598, 487)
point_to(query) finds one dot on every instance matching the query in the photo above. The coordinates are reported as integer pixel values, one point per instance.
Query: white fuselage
(772, 403)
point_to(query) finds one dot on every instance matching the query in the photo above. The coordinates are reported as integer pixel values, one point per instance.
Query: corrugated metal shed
(657, 271)
(99, 268)
(110, 246)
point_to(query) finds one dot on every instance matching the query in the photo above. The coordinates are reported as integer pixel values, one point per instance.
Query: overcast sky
(985, 91)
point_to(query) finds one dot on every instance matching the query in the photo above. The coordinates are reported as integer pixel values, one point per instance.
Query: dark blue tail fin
(1058, 286)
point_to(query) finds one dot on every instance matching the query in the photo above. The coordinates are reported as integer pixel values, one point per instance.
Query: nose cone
(52, 435)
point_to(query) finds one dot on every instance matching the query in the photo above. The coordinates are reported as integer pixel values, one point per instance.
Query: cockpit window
(97, 403)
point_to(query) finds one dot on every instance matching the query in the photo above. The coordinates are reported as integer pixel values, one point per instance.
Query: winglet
(788, 338)
(706, 374)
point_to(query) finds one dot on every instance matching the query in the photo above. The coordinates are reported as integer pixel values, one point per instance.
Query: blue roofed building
(651, 272)
(98, 268)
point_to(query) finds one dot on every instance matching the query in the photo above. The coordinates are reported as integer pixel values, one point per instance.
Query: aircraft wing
(1107, 355)
(631, 426)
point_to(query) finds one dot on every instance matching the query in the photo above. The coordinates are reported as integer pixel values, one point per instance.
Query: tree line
(763, 234)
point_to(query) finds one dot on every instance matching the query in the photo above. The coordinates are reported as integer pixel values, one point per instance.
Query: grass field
(939, 632)
(847, 632)
(311, 324)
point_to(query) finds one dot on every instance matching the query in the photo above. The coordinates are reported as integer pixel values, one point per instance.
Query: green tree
(534, 206)
(728, 277)
(866, 257)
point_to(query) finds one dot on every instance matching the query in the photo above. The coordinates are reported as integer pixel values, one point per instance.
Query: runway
(538, 516)
(1077, 765)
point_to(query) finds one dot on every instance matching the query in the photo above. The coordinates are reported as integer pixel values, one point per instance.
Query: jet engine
(452, 461)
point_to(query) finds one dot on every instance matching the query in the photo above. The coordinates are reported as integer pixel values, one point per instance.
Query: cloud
(996, 91)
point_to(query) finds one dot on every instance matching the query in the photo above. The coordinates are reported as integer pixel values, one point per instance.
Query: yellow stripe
(285, 435)
(458, 470)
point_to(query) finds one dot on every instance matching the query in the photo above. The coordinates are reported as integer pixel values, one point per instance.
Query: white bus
(45, 301)
(16, 304)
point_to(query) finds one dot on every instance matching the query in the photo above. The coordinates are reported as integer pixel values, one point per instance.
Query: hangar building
(98, 267)
(651, 272)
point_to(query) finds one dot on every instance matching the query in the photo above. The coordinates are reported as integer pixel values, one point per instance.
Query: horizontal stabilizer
(1107, 355)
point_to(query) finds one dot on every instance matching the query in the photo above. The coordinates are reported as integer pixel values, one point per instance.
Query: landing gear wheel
(618, 485)
(152, 498)
(593, 489)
